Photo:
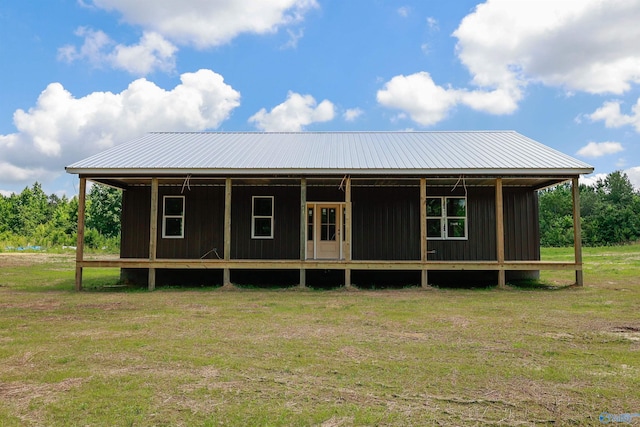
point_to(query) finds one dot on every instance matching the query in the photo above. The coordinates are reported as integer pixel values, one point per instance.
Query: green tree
(556, 216)
(5, 208)
(617, 217)
(28, 209)
(609, 210)
(104, 207)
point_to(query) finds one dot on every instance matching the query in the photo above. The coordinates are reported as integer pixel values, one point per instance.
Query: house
(427, 204)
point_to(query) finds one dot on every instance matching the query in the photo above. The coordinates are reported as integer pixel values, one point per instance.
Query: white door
(327, 234)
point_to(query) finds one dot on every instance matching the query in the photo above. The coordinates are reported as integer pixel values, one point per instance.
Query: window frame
(444, 218)
(311, 222)
(254, 217)
(166, 216)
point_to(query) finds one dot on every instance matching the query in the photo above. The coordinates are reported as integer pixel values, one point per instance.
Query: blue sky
(80, 76)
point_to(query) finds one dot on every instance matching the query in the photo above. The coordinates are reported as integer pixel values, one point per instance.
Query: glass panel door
(328, 224)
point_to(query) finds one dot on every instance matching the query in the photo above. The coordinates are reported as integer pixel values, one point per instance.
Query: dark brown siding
(481, 217)
(386, 223)
(521, 225)
(203, 223)
(286, 241)
(134, 242)
(325, 193)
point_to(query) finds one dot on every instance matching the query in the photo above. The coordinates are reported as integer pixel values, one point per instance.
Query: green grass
(520, 356)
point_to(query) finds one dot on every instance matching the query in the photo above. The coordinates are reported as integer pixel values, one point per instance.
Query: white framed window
(262, 217)
(447, 218)
(310, 222)
(173, 217)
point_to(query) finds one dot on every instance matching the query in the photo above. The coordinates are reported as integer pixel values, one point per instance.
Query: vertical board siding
(481, 228)
(386, 223)
(521, 225)
(286, 228)
(134, 230)
(324, 193)
(203, 223)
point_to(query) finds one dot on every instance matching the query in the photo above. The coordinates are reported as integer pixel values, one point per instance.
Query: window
(262, 217)
(328, 224)
(309, 223)
(447, 218)
(173, 217)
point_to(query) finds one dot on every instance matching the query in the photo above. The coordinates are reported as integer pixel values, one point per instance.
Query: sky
(80, 76)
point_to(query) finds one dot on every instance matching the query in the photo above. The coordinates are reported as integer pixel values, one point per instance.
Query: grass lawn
(536, 355)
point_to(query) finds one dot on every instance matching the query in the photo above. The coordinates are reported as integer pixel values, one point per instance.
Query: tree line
(34, 219)
(610, 213)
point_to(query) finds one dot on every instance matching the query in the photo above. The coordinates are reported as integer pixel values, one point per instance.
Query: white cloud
(293, 114)
(599, 149)
(6, 193)
(417, 94)
(592, 180)
(433, 24)
(152, 53)
(294, 36)
(498, 101)
(613, 118)
(578, 45)
(351, 114)
(634, 176)
(404, 11)
(428, 103)
(61, 129)
(95, 43)
(209, 23)
(582, 45)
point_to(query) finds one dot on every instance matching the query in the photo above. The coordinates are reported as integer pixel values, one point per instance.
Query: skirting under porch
(137, 270)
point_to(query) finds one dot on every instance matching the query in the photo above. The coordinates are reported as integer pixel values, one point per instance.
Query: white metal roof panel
(393, 153)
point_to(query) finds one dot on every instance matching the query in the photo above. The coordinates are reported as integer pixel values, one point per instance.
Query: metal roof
(327, 153)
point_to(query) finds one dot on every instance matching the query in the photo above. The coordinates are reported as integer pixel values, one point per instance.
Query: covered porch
(423, 260)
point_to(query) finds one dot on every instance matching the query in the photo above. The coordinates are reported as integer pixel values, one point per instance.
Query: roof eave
(327, 171)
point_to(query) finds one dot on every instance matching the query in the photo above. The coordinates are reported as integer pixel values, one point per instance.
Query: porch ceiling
(535, 182)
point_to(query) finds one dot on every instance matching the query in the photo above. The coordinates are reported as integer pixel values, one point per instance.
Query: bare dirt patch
(20, 395)
(631, 333)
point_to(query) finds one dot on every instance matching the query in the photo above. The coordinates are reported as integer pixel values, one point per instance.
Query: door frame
(339, 223)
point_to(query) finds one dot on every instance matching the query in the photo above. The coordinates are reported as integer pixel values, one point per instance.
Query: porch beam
(423, 232)
(226, 275)
(577, 231)
(347, 230)
(82, 201)
(303, 228)
(262, 264)
(500, 231)
(153, 232)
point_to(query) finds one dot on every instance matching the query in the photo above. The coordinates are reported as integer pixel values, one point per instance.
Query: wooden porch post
(577, 231)
(423, 232)
(500, 233)
(80, 242)
(226, 276)
(303, 229)
(347, 231)
(153, 233)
